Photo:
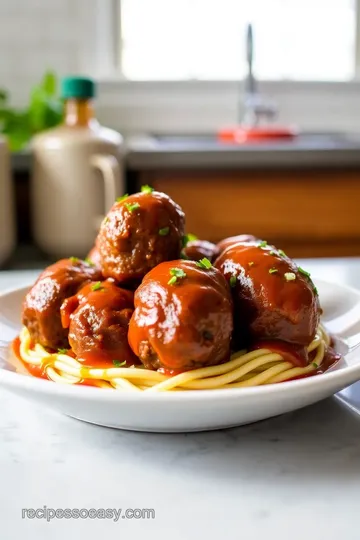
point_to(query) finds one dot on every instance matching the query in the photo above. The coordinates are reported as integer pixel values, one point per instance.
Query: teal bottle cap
(77, 87)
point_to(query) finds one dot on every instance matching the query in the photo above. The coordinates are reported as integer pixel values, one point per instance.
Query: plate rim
(14, 379)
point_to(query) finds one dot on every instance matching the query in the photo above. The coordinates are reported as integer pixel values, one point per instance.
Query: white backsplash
(36, 35)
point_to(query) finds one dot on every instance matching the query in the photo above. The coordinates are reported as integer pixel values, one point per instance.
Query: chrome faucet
(258, 108)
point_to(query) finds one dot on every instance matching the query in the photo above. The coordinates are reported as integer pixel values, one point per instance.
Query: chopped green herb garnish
(282, 253)
(122, 198)
(147, 189)
(62, 351)
(315, 365)
(290, 276)
(74, 260)
(272, 252)
(316, 291)
(97, 286)
(132, 206)
(164, 231)
(262, 244)
(176, 273)
(117, 363)
(188, 238)
(89, 261)
(204, 263)
(251, 263)
(273, 270)
(304, 272)
(232, 281)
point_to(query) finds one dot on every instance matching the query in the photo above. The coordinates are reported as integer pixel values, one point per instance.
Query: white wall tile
(36, 35)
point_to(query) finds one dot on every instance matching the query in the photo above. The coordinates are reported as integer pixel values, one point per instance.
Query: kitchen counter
(203, 151)
(295, 476)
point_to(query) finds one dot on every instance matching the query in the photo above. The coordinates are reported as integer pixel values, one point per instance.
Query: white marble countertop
(296, 476)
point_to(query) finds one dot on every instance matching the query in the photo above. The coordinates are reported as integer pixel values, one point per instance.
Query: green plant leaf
(17, 129)
(43, 112)
(3, 97)
(49, 83)
(37, 109)
(53, 113)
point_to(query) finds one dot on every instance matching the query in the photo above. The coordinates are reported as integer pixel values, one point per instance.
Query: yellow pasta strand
(244, 369)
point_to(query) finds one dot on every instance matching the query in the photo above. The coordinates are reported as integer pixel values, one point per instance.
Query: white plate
(196, 410)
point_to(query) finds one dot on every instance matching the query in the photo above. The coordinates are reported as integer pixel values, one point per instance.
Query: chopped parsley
(273, 270)
(147, 189)
(164, 231)
(117, 363)
(315, 365)
(232, 281)
(122, 198)
(308, 275)
(74, 260)
(176, 273)
(290, 276)
(303, 272)
(62, 351)
(262, 244)
(204, 263)
(272, 252)
(132, 206)
(89, 261)
(251, 263)
(97, 286)
(282, 253)
(188, 238)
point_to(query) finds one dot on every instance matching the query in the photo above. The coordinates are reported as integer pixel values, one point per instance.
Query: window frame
(202, 106)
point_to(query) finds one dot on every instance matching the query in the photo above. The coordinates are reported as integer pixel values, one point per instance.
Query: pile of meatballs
(148, 295)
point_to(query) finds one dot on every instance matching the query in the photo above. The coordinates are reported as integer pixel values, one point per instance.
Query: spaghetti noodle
(253, 368)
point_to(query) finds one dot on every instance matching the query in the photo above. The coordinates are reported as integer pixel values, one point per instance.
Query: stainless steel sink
(310, 149)
(205, 141)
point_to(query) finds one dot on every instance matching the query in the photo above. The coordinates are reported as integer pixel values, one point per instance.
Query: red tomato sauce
(40, 371)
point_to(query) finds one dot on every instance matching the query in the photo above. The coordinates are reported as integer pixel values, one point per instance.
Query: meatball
(98, 317)
(94, 256)
(198, 249)
(232, 240)
(41, 307)
(182, 318)
(138, 233)
(274, 299)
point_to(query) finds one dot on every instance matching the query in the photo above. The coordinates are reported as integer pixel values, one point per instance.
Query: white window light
(162, 61)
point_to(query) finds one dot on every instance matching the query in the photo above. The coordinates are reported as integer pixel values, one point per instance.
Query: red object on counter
(240, 135)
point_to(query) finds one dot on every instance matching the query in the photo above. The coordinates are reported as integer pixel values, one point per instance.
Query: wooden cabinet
(308, 213)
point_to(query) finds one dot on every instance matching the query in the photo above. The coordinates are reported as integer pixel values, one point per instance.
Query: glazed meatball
(232, 240)
(98, 318)
(274, 299)
(182, 318)
(41, 307)
(138, 233)
(195, 250)
(94, 256)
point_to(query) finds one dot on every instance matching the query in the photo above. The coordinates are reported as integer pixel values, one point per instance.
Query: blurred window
(205, 39)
